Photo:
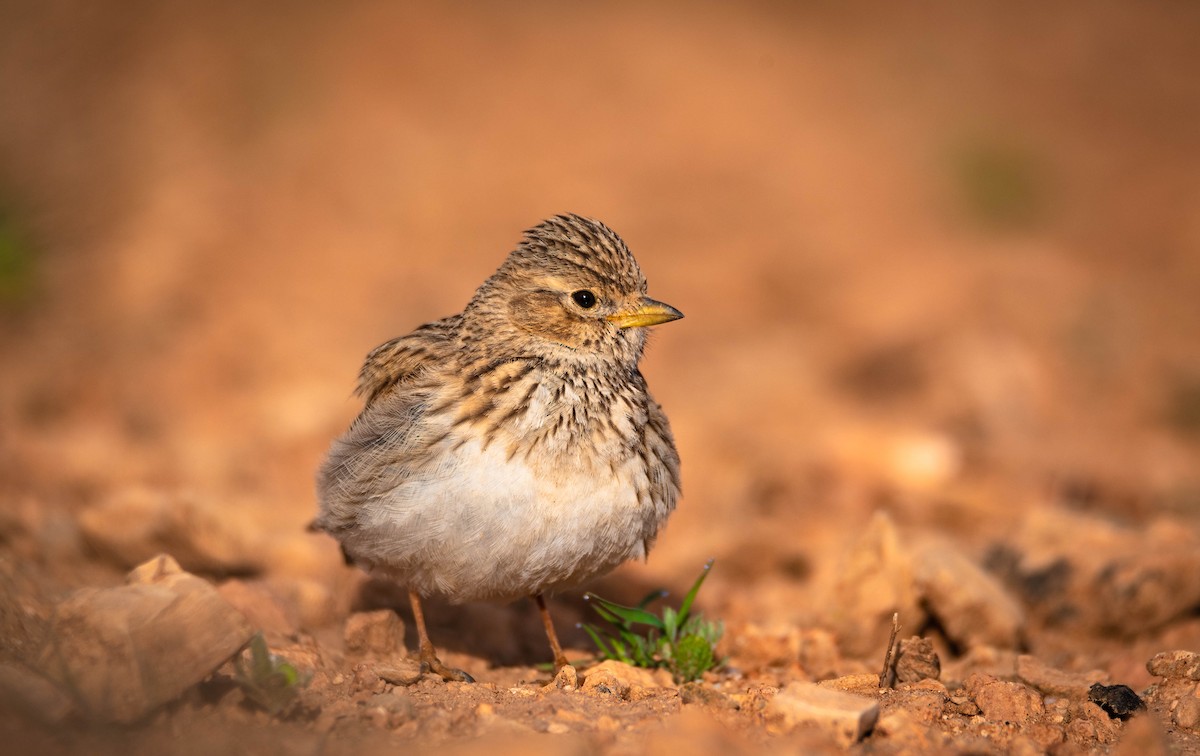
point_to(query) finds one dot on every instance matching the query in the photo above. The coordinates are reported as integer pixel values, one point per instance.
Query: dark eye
(584, 298)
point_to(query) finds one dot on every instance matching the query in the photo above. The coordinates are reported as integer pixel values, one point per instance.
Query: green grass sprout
(268, 680)
(678, 640)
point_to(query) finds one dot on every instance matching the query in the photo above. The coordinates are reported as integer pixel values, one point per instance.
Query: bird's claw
(449, 674)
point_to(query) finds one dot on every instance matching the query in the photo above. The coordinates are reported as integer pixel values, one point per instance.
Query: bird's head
(573, 288)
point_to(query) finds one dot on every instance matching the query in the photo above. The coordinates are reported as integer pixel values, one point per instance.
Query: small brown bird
(513, 449)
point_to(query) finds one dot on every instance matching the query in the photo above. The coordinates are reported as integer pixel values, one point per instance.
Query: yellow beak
(647, 312)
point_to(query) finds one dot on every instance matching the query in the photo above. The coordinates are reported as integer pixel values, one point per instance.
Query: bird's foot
(449, 674)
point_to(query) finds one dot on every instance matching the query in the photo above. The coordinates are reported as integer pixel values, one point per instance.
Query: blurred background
(939, 259)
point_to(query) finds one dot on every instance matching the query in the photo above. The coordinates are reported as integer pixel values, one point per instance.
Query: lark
(513, 449)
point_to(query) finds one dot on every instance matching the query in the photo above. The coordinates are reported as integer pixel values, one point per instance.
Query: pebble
(1174, 665)
(845, 717)
(618, 679)
(917, 660)
(1187, 711)
(403, 672)
(1104, 728)
(1003, 701)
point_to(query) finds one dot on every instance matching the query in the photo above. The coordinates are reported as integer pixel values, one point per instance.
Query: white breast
(480, 525)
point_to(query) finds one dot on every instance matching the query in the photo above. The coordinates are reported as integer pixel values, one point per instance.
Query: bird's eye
(584, 298)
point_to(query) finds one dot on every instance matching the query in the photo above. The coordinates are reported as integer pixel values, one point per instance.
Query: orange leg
(429, 658)
(560, 660)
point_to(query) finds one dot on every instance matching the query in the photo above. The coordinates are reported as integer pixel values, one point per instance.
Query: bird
(511, 450)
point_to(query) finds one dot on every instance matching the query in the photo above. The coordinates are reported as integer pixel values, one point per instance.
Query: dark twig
(886, 674)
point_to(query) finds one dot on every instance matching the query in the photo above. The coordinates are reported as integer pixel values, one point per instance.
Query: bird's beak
(646, 312)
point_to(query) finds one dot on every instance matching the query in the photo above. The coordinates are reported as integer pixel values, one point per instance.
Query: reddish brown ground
(940, 262)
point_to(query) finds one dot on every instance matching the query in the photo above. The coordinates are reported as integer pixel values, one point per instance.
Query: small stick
(887, 656)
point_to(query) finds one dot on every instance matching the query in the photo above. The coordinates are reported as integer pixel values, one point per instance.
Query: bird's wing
(388, 439)
(405, 357)
(385, 444)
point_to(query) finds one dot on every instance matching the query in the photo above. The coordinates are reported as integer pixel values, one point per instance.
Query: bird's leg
(429, 658)
(560, 659)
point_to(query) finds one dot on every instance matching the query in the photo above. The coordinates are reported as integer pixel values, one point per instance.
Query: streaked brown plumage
(512, 449)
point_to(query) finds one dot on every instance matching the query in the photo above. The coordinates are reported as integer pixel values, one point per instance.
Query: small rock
(1174, 665)
(964, 705)
(366, 678)
(125, 651)
(1187, 711)
(972, 606)
(134, 525)
(403, 672)
(845, 717)
(616, 678)
(699, 693)
(1119, 701)
(606, 683)
(1104, 729)
(1055, 682)
(917, 660)
(1002, 701)
(380, 632)
(566, 678)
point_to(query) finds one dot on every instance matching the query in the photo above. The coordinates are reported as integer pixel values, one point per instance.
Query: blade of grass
(630, 614)
(654, 595)
(686, 606)
(598, 640)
